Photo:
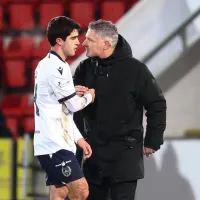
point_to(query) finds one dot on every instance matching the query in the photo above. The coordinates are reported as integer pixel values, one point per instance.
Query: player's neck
(59, 52)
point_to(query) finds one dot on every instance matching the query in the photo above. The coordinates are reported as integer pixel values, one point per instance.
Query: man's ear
(59, 41)
(107, 45)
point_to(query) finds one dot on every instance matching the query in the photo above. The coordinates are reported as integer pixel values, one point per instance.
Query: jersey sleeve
(62, 85)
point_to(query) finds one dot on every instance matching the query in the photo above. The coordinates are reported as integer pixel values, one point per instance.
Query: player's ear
(59, 41)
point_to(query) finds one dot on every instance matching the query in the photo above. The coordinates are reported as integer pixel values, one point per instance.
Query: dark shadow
(171, 183)
(166, 183)
(147, 187)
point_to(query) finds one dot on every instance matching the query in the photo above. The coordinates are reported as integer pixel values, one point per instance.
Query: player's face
(93, 44)
(71, 44)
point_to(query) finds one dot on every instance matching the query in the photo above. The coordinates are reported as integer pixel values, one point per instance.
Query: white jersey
(55, 101)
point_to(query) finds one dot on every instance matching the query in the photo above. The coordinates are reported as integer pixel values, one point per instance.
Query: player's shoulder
(52, 66)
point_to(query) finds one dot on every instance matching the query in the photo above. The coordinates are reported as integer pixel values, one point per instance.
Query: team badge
(66, 170)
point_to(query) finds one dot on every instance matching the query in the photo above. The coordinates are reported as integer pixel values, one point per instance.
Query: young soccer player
(55, 102)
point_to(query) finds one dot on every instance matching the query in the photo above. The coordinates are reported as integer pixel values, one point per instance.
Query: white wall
(183, 104)
(172, 173)
(146, 25)
(193, 5)
(150, 22)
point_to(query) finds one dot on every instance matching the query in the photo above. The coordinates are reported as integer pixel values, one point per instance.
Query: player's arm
(75, 103)
(63, 88)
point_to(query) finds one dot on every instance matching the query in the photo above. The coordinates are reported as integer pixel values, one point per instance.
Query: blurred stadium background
(165, 34)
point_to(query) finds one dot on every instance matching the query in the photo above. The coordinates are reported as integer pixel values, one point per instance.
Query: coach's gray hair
(105, 30)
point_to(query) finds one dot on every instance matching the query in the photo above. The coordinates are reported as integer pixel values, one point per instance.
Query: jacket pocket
(130, 142)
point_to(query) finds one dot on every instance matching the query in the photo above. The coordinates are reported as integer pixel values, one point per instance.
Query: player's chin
(72, 53)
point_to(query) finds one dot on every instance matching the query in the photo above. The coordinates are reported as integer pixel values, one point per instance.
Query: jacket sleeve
(78, 76)
(152, 99)
(78, 79)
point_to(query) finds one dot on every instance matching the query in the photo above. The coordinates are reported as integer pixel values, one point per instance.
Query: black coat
(124, 87)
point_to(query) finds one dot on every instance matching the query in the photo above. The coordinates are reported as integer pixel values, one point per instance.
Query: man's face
(94, 45)
(71, 44)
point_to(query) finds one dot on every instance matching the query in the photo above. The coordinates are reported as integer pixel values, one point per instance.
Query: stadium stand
(1, 18)
(76, 8)
(47, 11)
(21, 16)
(112, 10)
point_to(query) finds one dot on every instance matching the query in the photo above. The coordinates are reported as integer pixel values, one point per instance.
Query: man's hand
(148, 151)
(87, 151)
(81, 90)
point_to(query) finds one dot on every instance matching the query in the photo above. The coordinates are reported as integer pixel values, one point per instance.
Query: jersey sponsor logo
(64, 84)
(60, 69)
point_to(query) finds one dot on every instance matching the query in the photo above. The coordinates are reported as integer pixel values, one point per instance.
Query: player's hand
(81, 90)
(92, 92)
(148, 151)
(87, 151)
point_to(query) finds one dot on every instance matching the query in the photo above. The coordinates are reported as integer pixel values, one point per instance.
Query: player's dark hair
(60, 27)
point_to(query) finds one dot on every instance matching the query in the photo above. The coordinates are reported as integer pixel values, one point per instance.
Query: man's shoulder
(85, 62)
(136, 61)
(83, 65)
(134, 64)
